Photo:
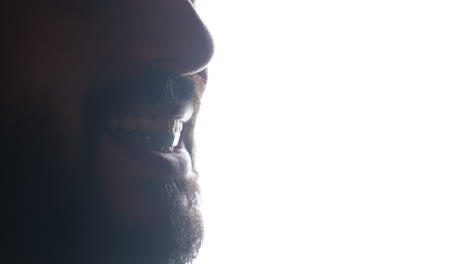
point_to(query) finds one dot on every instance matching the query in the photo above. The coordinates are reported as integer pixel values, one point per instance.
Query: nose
(168, 34)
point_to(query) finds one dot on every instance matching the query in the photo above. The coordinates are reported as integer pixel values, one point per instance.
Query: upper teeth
(157, 134)
(127, 124)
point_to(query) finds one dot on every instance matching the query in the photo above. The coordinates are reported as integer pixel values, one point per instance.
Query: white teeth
(129, 123)
(175, 126)
(180, 126)
(176, 139)
(172, 124)
(154, 133)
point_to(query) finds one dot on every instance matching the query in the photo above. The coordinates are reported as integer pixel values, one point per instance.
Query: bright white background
(335, 132)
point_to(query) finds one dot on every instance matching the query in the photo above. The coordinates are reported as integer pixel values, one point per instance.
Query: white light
(335, 132)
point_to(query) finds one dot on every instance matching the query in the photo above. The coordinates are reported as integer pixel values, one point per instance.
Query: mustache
(147, 89)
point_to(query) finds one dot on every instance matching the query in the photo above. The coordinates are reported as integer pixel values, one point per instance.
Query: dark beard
(54, 212)
(174, 239)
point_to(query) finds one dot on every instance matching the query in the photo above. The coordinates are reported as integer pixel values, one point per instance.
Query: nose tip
(168, 34)
(188, 54)
(178, 40)
(201, 53)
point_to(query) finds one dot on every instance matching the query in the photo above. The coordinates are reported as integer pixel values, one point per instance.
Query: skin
(54, 51)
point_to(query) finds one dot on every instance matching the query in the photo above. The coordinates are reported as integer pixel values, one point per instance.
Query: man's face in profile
(99, 100)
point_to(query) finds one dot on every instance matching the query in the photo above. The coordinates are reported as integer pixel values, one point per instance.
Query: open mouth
(147, 109)
(150, 133)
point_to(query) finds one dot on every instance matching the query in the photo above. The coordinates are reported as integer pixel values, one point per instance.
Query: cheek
(122, 177)
(127, 178)
(49, 54)
(54, 59)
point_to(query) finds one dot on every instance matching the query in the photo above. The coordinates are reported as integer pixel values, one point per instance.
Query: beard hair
(54, 213)
(175, 239)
